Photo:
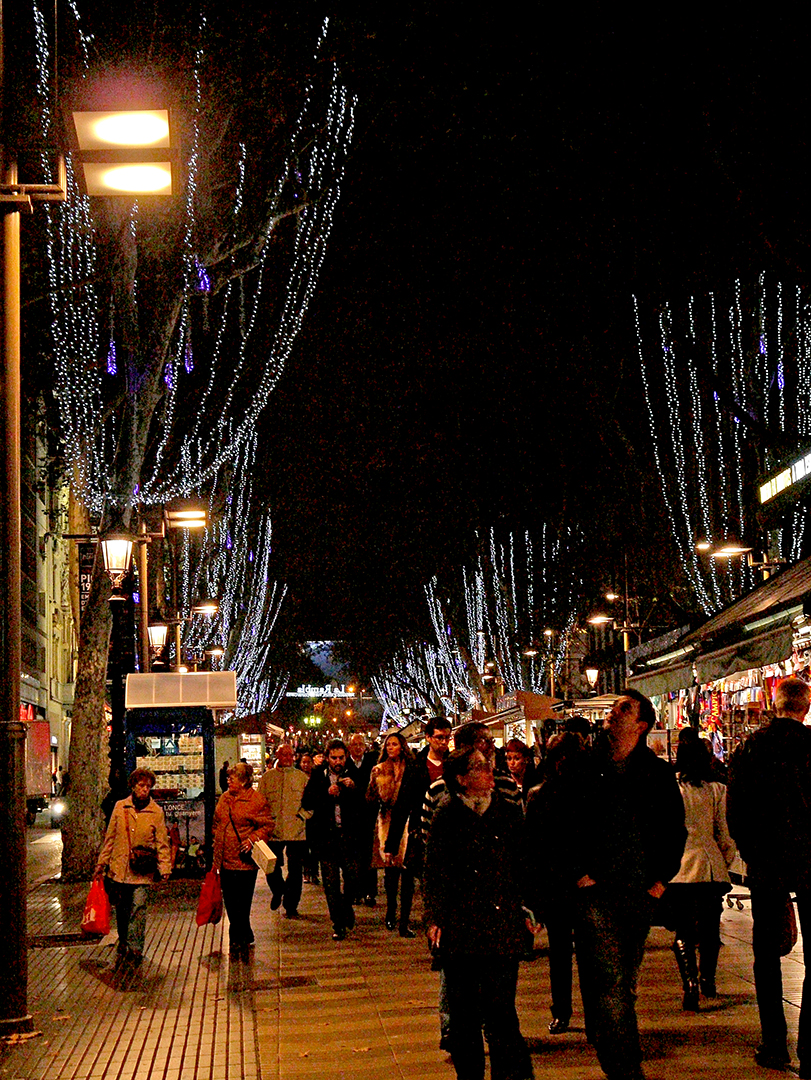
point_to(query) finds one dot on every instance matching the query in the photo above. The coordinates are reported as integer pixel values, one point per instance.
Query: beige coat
(283, 789)
(710, 849)
(146, 828)
(384, 787)
(243, 816)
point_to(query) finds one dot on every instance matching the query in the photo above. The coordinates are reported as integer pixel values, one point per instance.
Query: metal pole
(143, 610)
(14, 1015)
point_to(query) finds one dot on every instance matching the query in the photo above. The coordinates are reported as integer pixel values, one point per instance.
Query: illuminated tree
(171, 323)
(490, 620)
(513, 593)
(728, 391)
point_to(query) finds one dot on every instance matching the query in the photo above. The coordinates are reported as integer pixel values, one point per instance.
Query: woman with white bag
(241, 819)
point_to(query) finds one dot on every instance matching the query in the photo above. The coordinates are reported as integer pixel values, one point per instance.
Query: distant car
(59, 810)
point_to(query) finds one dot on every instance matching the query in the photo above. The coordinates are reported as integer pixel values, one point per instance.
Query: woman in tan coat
(242, 817)
(135, 849)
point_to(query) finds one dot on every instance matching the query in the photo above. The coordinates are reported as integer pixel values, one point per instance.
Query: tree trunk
(83, 828)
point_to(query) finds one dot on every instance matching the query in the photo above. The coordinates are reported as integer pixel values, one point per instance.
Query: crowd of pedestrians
(597, 842)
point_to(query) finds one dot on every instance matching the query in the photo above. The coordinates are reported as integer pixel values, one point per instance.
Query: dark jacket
(627, 820)
(550, 857)
(361, 773)
(472, 884)
(324, 833)
(769, 804)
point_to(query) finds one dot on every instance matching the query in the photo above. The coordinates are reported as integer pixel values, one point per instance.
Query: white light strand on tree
(500, 618)
(753, 379)
(234, 566)
(314, 168)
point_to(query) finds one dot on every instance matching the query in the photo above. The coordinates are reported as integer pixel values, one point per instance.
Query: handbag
(143, 857)
(209, 906)
(96, 917)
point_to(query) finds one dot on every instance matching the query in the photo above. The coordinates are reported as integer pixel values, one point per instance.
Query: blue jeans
(130, 916)
(610, 934)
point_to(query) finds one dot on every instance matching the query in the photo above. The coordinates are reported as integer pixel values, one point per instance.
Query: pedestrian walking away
(551, 888)
(769, 814)
(694, 896)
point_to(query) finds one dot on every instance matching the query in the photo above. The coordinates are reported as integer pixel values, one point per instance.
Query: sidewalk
(307, 1007)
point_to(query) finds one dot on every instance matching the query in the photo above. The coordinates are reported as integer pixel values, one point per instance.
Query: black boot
(688, 969)
(709, 964)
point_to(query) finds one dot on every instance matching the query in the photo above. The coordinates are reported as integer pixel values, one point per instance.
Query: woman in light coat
(394, 787)
(137, 828)
(696, 892)
(242, 817)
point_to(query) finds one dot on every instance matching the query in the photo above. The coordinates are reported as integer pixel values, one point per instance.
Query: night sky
(470, 357)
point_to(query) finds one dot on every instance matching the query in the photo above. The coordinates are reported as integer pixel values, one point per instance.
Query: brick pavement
(306, 1006)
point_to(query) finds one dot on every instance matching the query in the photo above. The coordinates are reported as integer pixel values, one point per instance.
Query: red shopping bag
(209, 906)
(96, 918)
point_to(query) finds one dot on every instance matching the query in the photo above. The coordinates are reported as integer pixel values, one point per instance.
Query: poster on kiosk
(170, 731)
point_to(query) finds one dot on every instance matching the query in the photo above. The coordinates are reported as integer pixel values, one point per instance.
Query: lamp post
(15, 198)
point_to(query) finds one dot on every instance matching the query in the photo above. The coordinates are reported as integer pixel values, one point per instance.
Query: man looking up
(430, 763)
(627, 836)
(335, 804)
(283, 788)
(476, 736)
(769, 817)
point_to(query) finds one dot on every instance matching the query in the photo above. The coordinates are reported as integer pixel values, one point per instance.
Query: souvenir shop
(720, 678)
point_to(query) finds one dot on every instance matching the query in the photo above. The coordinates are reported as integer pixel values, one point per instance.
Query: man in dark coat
(359, 765)
(769, 816)
(473, 884)
(628, 835)
(336, 807)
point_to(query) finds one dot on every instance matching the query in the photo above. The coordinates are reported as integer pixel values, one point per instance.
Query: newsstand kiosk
(170, 730)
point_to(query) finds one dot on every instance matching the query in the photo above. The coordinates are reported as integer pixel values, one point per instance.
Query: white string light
(708, 471)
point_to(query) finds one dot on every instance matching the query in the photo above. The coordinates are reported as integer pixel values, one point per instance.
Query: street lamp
(116, 550)
(125, 152)
(592, 675)
(15, 198)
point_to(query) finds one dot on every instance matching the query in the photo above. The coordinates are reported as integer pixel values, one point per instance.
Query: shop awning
(774, 596)
(771, 647)
(663, 680)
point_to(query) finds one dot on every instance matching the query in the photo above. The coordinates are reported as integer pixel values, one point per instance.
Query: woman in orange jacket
(242, 817)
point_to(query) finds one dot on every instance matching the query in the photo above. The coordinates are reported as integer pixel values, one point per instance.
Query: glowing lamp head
(730, 550)
(153, 178)
(592, 675)
(114, 130)
(206, 607)
(703, 545)
(157, 636)
(599, 619)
